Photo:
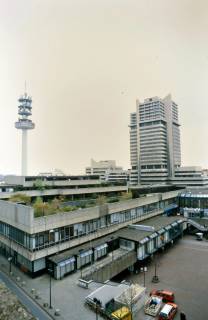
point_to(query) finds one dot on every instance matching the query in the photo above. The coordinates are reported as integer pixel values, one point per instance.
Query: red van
(167, 296)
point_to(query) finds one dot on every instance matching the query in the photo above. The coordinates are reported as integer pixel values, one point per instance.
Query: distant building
(155, 150)
(107, 170)
(55, 172)
(190, 176)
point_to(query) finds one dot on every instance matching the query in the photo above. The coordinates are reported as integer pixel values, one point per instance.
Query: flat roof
(75, 250)
(128, 233)
(158, 223)
(62, 178)
(191, 192)
(107, 292)
(133, 234)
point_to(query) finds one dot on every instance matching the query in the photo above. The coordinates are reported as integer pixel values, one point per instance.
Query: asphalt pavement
(30, 305)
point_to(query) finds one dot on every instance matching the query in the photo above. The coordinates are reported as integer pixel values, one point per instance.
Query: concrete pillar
(24, 152)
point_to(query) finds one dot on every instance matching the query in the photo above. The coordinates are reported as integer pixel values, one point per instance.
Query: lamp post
(10, 264)
(112, 238)
(96, 311)
(144, 270)
(97, 303)
(80, 259)
(155, 278)
(50, 273)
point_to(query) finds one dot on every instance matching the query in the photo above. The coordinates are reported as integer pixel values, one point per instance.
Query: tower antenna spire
(25, 87)
(24, 123)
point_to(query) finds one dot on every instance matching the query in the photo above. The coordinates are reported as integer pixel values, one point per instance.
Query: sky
(86, 62)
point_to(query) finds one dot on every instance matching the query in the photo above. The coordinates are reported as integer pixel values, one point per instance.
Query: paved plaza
(182, 268)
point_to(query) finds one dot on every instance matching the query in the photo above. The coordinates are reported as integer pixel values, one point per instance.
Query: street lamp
(50, 274)
(144, 270)
(10, 264)
(80, 259)
(155, 278)
(112, 238)
(97, 304)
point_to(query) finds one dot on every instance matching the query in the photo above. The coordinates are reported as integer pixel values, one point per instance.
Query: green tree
(101, 200)
(55, 204)
(20, 197)
(41, 208)
(39, 184)
(126, 195)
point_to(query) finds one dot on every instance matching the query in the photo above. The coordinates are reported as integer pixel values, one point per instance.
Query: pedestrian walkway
(110, 266)
(67, 296)
(29, 303)
(27, 290)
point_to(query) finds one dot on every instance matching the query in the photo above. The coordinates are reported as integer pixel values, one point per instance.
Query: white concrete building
(155, 150)
(190, 176)
(107, 170)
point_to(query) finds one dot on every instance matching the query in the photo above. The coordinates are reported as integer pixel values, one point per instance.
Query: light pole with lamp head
(112, 238)
(80, 252)
(50, 274)
(155, 278)
(10, 264)
(144, 270)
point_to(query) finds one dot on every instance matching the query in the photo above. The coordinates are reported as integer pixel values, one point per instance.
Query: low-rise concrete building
(72, 187)
(151, 235)
(190, 176)
(30, 241)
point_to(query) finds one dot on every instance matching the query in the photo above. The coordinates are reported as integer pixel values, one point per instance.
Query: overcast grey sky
(86, 62)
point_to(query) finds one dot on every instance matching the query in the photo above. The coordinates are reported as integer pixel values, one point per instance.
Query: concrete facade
(52, 181)
(65, 191)
(190, 176)
(154, 141)
(33, 239)
(107, 170)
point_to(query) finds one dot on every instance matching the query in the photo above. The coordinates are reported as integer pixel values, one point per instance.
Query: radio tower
(24, 123)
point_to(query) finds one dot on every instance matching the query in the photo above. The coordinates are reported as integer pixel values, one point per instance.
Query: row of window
(193, 202)
(51, 237)
(152, 123)
(156, 166)
(150, 246)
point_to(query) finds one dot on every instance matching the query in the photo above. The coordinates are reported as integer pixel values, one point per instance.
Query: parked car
(168, 311)
(199, 236)
(153, 306)
(167, 296)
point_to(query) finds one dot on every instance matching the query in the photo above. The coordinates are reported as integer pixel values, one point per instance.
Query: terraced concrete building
(70, 240)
